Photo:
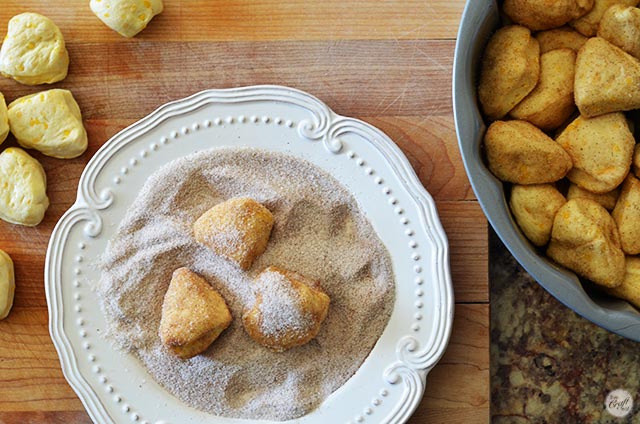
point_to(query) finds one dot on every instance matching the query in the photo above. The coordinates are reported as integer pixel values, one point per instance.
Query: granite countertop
(548, 364)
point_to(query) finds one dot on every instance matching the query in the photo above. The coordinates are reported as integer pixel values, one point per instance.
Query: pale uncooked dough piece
(4, 119)
(50, 122)
(23, 183)
(126, 17)
(33, 51)
(7, 284)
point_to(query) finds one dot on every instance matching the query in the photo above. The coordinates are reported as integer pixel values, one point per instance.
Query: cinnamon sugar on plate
(319, 232)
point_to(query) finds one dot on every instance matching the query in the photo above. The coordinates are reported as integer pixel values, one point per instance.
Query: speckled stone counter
(548, 364)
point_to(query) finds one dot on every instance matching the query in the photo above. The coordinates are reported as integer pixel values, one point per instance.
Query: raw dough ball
(7, 284)
(4, 120)
(126, 17)
(193, 314)
(288, 311)
(23, 197)
(33, 51)
(237, 229)
(49, 121)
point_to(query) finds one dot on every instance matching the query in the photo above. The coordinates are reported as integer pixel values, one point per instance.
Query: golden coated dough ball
(545, 14)
(607, 79)
(126, 17)
(626, 214)
(33, 51)
(534, 207)
(50, 122)
(601, 149)
(620, 26)
(23, 183)
(509, 70)
(288, 311)
(585, 239)
(587, 24)
(237, 229)
(629, 290)
(194, 314)
(519, 152)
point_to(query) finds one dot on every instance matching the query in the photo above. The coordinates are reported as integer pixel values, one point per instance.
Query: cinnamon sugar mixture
(319, 232)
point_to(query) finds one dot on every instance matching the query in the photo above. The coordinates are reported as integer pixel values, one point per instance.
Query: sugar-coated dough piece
(607, 200)
(509, 71)
(629, 290)
(587, 25)
(33, 51)
(544, 14)
(585, 239)
(601, 149)
(23, 197)
(626, 214)
(551, 102)
(50, 122)
(4, 120)
(519, 152)
(607, 79)
(289, 309)
(620, 26)
(635, 163)
(194, 314)
(126, 17)
(560, 38)
(237, 229)
(534, 207)
(7, 284)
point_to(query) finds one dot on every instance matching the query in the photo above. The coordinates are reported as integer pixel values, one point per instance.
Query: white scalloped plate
(389, 385)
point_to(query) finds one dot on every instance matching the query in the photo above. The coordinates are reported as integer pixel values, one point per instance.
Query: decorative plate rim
(415, 353)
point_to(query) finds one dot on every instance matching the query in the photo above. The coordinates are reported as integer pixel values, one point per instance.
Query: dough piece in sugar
(194, 314)
(23, 198)
(126, 17)
(50, 122)
(7, 284)
(4, 120)
(237, 229)
(33, 51)
(288, 311)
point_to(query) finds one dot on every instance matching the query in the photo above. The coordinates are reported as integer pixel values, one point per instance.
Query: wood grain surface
(386, 62)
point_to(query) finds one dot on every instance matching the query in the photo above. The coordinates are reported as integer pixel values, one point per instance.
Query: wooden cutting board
(386, 62)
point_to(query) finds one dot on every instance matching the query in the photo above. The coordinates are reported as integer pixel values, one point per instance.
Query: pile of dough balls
(34, 52)
(555, 85)
(289, 308)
